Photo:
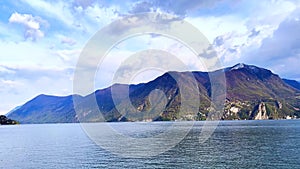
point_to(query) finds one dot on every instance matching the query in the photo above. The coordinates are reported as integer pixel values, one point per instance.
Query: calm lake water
(234, 144)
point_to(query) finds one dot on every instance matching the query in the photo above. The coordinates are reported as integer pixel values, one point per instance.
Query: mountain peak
(242, 65)
(238, 66)
(258, 72)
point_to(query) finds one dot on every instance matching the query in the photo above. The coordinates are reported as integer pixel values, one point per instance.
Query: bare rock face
(261, 112)
(279, 105)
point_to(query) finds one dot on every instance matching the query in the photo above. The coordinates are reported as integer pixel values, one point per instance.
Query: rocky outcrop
(261, 112)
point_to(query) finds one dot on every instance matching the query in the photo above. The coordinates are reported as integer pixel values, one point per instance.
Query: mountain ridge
(252, 93)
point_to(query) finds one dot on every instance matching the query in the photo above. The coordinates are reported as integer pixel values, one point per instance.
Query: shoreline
(171, 121)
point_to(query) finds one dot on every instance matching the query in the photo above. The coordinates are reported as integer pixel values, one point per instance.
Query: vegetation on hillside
(6, 121)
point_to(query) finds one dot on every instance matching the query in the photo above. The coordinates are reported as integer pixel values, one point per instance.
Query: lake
(234, 144)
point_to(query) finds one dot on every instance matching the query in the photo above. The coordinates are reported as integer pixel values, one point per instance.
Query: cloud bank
(40, 41)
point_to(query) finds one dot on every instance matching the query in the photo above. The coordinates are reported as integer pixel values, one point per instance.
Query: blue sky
(41, 40)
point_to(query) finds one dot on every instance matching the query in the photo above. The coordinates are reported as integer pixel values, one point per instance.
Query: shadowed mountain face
(292, 83)
(252, 93)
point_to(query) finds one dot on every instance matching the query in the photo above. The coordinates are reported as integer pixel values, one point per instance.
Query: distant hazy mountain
(252, 93)
(46, 109)
(295, 84)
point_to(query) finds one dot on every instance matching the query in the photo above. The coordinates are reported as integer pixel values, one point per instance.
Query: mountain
(46, 109)
(13, 110)
(295, 84)
(257, 93)
(251, 93)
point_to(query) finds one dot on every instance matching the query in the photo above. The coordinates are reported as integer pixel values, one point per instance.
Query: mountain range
(251, 93)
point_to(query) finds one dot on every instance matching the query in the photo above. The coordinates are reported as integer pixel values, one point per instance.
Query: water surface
(234, 144)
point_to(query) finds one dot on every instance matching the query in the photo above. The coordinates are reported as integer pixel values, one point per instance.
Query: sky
(42, 40)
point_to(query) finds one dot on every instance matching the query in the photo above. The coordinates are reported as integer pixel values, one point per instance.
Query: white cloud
(212, 26)
(59, 10)
(27, 20)
(5, 70)
(94, 17)
(281, 51)
(234, 35)
(68, 56)
(67, 40)
(87, 20)
(270, 12)
(102, 15)
(27, 53)
(9, 83)
(178, 7)
(27, 82)
(32, 25)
